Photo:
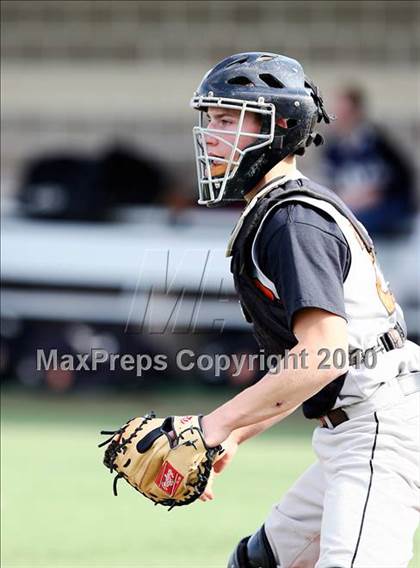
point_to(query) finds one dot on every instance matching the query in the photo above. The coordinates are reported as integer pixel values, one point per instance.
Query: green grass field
(58, 509)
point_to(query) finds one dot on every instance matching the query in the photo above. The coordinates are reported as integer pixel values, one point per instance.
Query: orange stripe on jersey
(266, 291)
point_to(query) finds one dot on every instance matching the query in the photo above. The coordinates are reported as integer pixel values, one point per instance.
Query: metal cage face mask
(214, 172)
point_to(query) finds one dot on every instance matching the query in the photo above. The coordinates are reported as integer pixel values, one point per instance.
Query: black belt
(334, 418)
(392, 339)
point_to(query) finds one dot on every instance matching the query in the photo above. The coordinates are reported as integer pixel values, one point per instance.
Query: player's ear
(282, 122)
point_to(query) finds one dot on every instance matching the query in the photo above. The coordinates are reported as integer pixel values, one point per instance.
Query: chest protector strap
(252, 217)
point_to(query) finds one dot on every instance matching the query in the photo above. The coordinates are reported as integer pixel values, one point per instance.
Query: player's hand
(230, 446)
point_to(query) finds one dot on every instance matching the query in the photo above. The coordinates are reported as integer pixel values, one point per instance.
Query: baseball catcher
(307, 279)
(165, 459)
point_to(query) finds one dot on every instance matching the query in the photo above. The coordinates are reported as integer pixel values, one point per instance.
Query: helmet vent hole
(237, 62)
(241, 80)
(265, 58)
(271, 81)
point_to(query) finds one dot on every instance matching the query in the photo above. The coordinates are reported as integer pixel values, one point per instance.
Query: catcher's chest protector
(369, 306)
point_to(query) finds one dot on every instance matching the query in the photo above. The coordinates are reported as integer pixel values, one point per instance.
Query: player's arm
(278, 394)
(246, 432)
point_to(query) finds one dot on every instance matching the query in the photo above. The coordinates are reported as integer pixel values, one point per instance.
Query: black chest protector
(267, 314)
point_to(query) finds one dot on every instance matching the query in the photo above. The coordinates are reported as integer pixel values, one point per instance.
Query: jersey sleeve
(306, 256)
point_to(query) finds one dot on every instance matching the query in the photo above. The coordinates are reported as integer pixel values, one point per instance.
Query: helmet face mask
(270, 85)
(214, 172)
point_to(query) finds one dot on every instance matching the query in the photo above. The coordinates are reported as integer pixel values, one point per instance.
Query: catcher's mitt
(166, 459)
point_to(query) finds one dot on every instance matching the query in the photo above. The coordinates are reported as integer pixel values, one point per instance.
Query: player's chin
(217, 169)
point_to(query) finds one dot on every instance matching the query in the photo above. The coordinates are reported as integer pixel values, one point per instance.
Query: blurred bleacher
(372, 32)
(78, 73)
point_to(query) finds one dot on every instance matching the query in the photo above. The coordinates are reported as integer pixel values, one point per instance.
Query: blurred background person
(368, 169)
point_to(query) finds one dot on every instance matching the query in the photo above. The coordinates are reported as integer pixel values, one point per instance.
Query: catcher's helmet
(272, 86)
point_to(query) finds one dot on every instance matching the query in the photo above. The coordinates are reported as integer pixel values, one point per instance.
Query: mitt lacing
(117, 446)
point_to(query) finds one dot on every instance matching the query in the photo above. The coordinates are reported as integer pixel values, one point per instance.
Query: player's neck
(283, 168)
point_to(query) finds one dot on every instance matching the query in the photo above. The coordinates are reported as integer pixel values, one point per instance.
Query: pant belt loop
(326, 422)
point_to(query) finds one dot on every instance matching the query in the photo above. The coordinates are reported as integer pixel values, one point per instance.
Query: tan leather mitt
(166, 459)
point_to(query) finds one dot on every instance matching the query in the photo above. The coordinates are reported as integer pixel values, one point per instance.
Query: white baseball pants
(358, 505)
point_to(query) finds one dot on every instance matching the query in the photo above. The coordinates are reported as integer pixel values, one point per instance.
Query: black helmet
(272, 86)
